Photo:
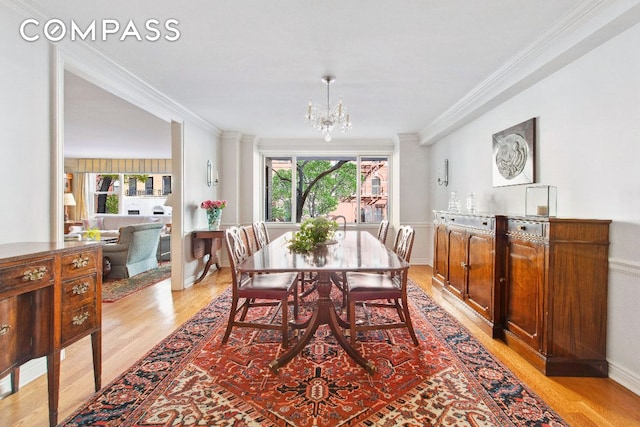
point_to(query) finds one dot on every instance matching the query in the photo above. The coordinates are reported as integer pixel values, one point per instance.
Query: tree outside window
(326, 186)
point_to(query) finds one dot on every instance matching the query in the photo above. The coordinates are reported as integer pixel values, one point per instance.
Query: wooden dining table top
(351, 250)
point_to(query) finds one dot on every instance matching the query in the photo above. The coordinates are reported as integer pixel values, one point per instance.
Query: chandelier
(325, 118)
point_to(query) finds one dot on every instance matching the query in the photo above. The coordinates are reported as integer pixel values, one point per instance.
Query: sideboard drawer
(530, 228)
(479, 222)
(78, 264)
(78, 292)
(32, 275)
(77, 321)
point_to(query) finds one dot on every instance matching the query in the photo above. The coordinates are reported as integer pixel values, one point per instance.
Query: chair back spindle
(404, 242)
(261, 234)
(383, 229)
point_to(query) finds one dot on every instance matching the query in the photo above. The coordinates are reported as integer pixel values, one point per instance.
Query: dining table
(348, 251)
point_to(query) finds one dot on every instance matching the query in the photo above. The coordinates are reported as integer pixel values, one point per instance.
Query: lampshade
(69, 200)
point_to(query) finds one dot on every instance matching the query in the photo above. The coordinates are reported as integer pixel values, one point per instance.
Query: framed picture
(514, 155)
(68, 182)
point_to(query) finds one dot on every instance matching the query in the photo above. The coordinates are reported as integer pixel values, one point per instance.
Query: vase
(214, 215)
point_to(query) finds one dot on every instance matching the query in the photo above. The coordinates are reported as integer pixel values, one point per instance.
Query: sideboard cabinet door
(524, 291)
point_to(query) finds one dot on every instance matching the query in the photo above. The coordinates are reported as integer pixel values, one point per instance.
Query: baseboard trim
(28, 372)
(625, 378)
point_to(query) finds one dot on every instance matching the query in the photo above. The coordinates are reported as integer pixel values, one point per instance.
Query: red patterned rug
(191, 379)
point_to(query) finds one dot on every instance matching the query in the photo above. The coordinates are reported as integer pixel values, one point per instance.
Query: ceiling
(251, 66)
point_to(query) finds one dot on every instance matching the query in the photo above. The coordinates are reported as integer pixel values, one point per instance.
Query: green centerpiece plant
(313, 232)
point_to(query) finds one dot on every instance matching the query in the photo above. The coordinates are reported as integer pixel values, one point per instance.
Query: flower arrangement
(214, 212)
(313, 232)
(92, 234)
(213, 204)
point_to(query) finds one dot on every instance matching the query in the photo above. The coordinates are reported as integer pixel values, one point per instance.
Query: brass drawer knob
(4, 329)
(80, 262)
(80, 288)
(36, 274)
(80, 319)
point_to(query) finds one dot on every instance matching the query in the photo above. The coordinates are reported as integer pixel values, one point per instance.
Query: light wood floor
(132, 326)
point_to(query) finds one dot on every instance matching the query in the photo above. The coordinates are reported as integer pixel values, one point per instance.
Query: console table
(206, 242)
(50, 297)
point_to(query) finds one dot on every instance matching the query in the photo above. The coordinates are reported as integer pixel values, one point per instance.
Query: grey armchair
(135, 251)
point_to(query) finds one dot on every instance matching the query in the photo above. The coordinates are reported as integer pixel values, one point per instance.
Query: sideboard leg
(53, 374)
(96, 345)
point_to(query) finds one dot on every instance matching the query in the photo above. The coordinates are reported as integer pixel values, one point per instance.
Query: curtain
(81, 194)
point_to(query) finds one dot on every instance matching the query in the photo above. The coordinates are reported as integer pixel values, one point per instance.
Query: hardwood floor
(133, 325)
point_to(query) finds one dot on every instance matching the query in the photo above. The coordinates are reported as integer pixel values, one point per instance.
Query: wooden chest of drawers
(50, 297)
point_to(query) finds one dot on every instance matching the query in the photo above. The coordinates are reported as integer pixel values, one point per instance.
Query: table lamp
(69, 200)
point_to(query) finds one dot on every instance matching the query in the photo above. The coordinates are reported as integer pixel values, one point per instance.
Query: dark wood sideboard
(50, 297)
(538, 283)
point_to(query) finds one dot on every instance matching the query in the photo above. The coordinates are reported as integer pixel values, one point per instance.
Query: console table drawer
(77, 321)
(78, 264)
(78, 292)
(29, 276)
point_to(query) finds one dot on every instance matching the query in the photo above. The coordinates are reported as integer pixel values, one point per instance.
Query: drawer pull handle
(464, 264)
(521, 227)
(80, 262)
(80, 319)
(485, 223)
(81, 288)
(32, 275)
(4, 329)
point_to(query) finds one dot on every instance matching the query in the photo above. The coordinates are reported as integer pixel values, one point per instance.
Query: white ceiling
(251, 66)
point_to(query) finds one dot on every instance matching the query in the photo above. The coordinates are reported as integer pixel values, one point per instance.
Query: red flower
(210, 204)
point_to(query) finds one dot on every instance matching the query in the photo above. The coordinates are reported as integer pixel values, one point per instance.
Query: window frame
(329, 155)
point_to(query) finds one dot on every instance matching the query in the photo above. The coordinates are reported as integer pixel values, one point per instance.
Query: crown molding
(97, 68)
(82, 59)
(589, 24)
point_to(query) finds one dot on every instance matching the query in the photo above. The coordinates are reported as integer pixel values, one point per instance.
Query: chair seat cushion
(371, 282)
(262, 283)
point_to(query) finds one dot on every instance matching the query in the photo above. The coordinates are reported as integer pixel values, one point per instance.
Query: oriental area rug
(115, 289)
(191, 379)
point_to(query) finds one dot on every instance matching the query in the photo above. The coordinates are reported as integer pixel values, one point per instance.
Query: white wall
(588, 146)
(200, 145)
(25, 162)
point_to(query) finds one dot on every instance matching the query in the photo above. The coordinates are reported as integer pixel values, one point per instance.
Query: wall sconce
(210, 180)
(445, 181)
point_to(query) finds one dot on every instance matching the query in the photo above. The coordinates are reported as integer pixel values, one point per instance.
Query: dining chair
(248, 237)
(383, 229)
(388, 290)
(261, 234)
(259, 290)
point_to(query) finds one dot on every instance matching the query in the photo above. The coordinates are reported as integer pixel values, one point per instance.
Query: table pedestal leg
(324, 313)
(211, 247)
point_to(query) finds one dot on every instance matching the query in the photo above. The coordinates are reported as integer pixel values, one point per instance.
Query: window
(140, 194)
(353, 186)
(106, 198)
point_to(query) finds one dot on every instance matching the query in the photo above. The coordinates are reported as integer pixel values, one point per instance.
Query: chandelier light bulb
(326, 118)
